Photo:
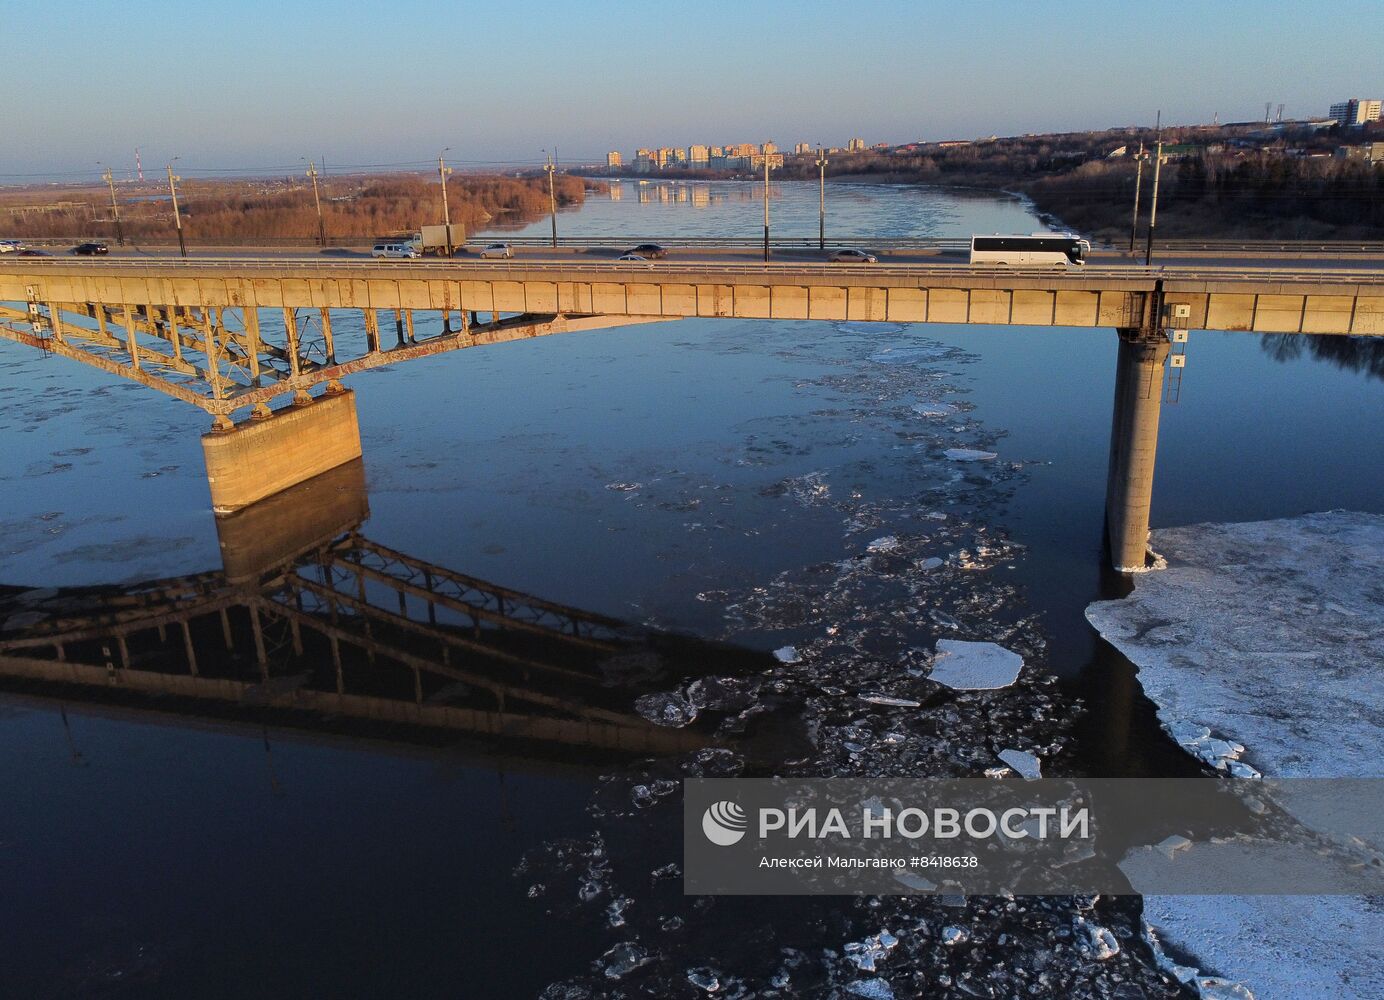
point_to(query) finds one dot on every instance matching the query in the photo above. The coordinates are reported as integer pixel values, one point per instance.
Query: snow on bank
(1269, 634)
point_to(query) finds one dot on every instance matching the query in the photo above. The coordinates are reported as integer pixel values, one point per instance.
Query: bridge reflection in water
(309, 622)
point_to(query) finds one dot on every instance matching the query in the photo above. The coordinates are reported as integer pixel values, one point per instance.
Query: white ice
(968, 455)
(975, 666)
(1267, 639)
(1027, 765)
(787, 654)
(933, 409)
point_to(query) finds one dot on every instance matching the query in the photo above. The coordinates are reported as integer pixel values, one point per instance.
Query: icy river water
(766, 484)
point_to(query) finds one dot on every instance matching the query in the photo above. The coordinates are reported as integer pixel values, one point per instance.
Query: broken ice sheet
(866, 955)
(787, 654)
(1029, 767)
(666, 708)
(975, 666)
(888, 543)
(871, 989)
(916, 882)
(1099, 942)
(969, 455)
(623, 959)
(882, 699)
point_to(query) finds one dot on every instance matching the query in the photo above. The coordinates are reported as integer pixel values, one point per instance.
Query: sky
(250, 85)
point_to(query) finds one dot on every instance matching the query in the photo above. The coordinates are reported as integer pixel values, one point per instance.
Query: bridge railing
(949, 244)
(518, 268)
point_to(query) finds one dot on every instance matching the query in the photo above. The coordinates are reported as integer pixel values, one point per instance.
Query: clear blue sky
(255, 83)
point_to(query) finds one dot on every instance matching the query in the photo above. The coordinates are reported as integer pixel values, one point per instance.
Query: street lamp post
(177, 216)
(317, 198)
(550, 168)
(822, 199)
(115, 208)
(1153, 209)
(1138, 182)
(442, 171)
(766, 207)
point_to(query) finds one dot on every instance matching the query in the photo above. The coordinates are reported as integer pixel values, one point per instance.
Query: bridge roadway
(228, 332)
(1327, 294)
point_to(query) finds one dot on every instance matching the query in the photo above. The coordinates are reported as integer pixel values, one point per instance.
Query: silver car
(852, 256)
(503, 250)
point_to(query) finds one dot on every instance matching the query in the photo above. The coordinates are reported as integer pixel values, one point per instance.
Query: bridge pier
(266, 455)
(1134, 445)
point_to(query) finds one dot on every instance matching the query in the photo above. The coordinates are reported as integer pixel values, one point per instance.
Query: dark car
(90, 249)
(649, 251)
(30, 252)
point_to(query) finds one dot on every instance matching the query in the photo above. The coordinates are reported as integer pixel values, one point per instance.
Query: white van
(395, 250)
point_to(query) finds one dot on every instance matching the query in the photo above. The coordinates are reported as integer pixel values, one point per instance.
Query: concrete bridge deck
(231, 333)
(1332, 297)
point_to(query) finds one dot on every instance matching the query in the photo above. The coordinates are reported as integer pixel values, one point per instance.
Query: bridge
(233, 334)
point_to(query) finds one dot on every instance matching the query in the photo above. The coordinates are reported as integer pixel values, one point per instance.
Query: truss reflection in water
(312, 621)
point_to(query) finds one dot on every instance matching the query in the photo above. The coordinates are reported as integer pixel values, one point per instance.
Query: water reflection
(311, 620)
(1355, 354)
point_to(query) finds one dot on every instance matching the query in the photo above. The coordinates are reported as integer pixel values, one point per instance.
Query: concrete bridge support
(1134, 445)
(273, 451)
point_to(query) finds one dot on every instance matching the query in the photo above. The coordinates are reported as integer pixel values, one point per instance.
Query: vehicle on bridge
(1051, 249)
(10, 246)
(501, 250)
(433, 240)
(850, 255)
(395, 250)
(649, 251)
(91, 249)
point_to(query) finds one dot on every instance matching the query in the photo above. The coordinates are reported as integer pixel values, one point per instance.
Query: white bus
(1051, 249)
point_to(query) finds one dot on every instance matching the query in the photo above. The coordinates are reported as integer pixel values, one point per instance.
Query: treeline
(1211, 187)
(247, 210)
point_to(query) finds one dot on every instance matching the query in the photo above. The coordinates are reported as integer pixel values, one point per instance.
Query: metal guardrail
(512, 270)
(1304, 247)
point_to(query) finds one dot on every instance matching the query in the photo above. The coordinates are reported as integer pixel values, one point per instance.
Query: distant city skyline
(257, 87)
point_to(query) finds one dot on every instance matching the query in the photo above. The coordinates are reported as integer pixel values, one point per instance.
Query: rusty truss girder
(224, 359)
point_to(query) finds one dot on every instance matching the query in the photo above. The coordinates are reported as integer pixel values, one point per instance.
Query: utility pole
(550, 168)
(177, 216)
(766, 207)
(316, 197)
(442, 171)
(822, 199)
(1138, 183)
(115, 208)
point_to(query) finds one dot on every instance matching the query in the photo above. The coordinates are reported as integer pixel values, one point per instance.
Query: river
(766, 484)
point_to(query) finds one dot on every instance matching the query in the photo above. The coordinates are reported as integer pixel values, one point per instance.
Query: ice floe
(787, 654)
(1026, 764)
(866, 955)
(969, 455)
(1270, 634)
(975, 666)
(1271, 947)
(1240, 636)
